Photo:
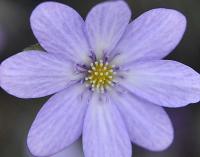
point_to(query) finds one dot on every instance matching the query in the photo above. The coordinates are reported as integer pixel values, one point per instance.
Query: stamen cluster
(100, 75)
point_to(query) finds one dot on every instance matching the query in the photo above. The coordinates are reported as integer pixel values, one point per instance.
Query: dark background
(16, 115)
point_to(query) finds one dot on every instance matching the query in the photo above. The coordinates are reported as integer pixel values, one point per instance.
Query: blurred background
(16, 115)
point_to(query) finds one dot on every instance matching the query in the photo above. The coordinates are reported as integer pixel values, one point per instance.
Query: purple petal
(59, 123)
(74, 150)
(104, 133)
(105, 25)
(163, 82)
(151, 36)
(148, 124)
(60, 29)
(33, 74)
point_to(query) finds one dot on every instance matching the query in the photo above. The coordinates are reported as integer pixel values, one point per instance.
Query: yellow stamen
(100, 76)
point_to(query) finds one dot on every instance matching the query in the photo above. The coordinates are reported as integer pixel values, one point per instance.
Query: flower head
(108, 76)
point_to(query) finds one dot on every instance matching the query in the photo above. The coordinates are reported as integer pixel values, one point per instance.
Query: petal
(33, 74)
(163, 82)
(105, 25)
(60, 29)
(104, 133)
(59, 123)
(74, 150)
(148, 124)
(151, 36)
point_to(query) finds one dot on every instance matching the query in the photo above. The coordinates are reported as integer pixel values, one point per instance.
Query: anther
(109, 82)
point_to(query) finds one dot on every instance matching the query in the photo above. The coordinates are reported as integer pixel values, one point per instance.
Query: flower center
(100, 76)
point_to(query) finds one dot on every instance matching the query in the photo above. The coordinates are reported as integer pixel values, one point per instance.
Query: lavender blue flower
(108, 77)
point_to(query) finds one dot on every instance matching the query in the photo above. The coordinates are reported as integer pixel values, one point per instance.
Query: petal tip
(175, 15)
(31, 148)
(164, 144)
(36, 149)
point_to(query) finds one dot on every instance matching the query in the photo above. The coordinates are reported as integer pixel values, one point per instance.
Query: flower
(108, 76)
